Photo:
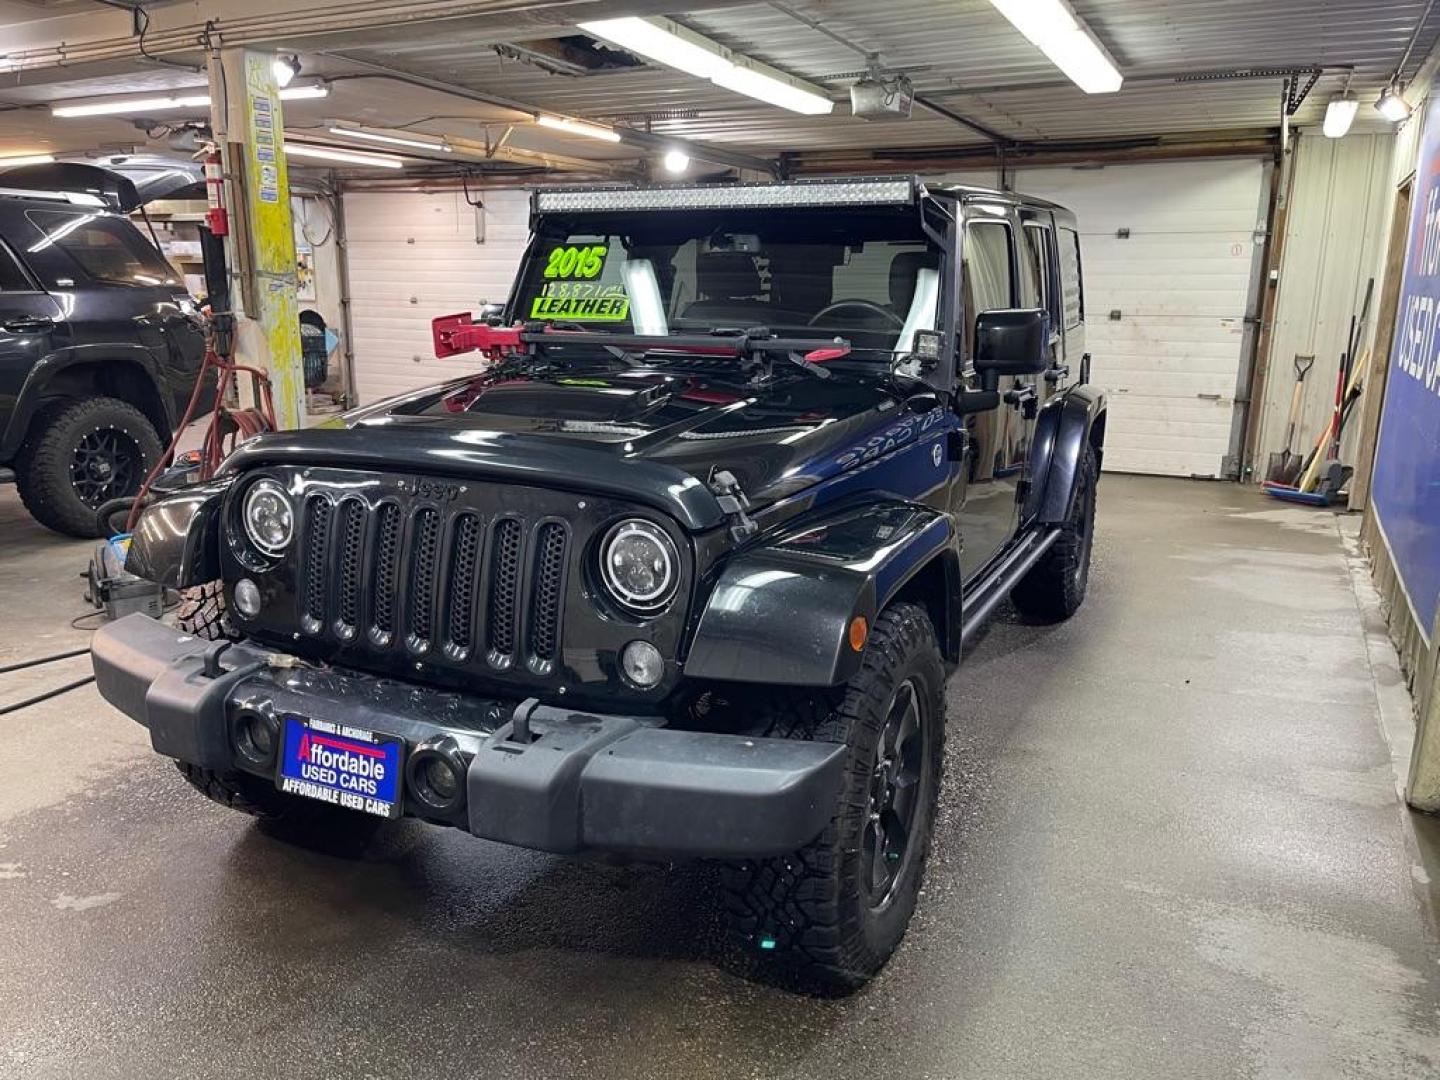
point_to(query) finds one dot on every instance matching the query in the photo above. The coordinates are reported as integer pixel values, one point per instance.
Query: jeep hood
(610, 429)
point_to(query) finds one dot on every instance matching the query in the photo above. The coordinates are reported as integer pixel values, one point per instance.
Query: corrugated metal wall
(413, 256)
(1335, 237)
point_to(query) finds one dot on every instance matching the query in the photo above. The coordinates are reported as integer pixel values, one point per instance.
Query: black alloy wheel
(894, 789)
(106, 464)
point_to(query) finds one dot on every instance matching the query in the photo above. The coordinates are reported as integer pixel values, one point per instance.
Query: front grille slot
(317, 550)
(352, 533)
(386, 565)
(423, 555)
(545, 591)
(449, 583)
(504, 584)
(464, 557)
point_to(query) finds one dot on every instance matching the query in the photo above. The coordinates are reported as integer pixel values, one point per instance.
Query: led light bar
(179, 101)
(883, 191)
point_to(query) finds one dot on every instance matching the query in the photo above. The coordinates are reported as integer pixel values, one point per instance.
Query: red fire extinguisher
(215, 216)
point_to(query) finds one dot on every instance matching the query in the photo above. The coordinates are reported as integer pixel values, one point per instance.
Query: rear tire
(827, 918)
(81, 454)
(1054, 588)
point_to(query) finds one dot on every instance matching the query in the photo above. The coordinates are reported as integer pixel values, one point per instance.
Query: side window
(1072, 293)
(106, 248)
(1035, 269)
(12, 278)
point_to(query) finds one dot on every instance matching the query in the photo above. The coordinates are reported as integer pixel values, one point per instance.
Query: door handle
(1055, 374)
(29, 324)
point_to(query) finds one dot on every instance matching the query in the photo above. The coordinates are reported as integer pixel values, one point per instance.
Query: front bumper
(581, 781)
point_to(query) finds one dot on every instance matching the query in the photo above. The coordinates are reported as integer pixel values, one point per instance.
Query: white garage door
(413, 257)
(1165, 305)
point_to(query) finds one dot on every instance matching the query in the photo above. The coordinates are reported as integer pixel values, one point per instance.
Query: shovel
(1285, 466)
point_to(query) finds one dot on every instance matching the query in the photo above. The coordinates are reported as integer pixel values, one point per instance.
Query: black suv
(98, 354)
(680, 572)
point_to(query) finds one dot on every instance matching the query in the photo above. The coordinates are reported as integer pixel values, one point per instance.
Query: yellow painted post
(250, 128)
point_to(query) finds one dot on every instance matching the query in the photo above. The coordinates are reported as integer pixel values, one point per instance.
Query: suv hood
(582, 422)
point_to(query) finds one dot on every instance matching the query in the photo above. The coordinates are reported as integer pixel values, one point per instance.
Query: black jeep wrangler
(99, 353)
(680, 572)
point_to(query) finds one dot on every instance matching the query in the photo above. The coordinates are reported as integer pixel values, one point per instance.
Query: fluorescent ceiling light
(578, 127)
(1392, 106)
(352, 157)
(756, 84)
(1053, 28)
(26, 159)
(676, 161)
(393, 140)
(179, 101)
(1339, 115)
(667, 42)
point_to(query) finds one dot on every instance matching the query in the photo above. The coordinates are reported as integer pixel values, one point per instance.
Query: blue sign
(1406, 485)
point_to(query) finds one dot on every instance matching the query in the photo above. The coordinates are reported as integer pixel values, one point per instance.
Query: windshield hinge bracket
(733, 503)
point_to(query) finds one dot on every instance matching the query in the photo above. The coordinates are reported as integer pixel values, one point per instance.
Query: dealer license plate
(342, 765)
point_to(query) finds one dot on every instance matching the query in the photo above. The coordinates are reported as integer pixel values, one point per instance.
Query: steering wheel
(868, 306)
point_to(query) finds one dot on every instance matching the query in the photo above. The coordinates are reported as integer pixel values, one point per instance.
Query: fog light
(436, 775)
(247, 598)
(256, 737)
(643, 664)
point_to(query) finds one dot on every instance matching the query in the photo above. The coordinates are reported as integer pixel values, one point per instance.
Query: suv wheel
(828, 917)
(1054, 588)
(80, 454)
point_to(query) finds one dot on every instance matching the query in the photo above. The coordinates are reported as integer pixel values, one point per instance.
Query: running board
(975, 609)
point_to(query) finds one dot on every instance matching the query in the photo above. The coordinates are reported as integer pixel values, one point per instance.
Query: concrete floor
(1170, 847)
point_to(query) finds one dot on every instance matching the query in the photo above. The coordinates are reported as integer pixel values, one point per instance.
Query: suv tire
(828, 917)
(80, 454)
(202, 612)
(1054, 588)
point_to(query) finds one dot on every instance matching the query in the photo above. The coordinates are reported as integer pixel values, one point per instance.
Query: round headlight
(268, 516)
(639, 565)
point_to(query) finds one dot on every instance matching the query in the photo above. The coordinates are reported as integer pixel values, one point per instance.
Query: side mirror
(1011, 341)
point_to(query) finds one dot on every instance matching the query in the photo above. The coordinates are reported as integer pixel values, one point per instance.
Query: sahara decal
(582, 302)
(893, 437)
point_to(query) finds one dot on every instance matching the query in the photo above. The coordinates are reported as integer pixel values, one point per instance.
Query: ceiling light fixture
(1053, 27)
(393, 140)
(285, 68)
(26, 159)
(579, 127)
(1339, 115)
(1392, 106)
(181, 101)
(350, 157)
(676, 161)
(667, 42)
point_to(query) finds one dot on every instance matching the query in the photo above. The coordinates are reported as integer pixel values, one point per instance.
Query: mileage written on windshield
(581, 300)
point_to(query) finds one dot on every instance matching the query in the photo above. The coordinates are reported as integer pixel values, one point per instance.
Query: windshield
(870, 277)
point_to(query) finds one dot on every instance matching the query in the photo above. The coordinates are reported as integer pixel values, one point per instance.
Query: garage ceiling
(962, 55)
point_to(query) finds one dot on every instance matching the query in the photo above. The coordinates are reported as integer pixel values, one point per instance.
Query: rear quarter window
(106, 248)
(1072, 292)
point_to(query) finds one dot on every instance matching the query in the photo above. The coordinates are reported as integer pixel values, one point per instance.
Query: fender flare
(176, 542)
(1062, 432)
(781, 610)
(53, 365)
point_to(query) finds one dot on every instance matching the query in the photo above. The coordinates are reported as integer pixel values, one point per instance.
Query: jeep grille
(415, 578)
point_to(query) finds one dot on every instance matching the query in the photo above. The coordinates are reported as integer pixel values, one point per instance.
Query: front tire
(80, 455)
(827, 918)
(1055, 587)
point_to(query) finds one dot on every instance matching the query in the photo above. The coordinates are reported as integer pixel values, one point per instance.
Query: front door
(30, 324)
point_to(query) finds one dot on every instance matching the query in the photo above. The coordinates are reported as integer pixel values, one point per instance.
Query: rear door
(30, 327)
